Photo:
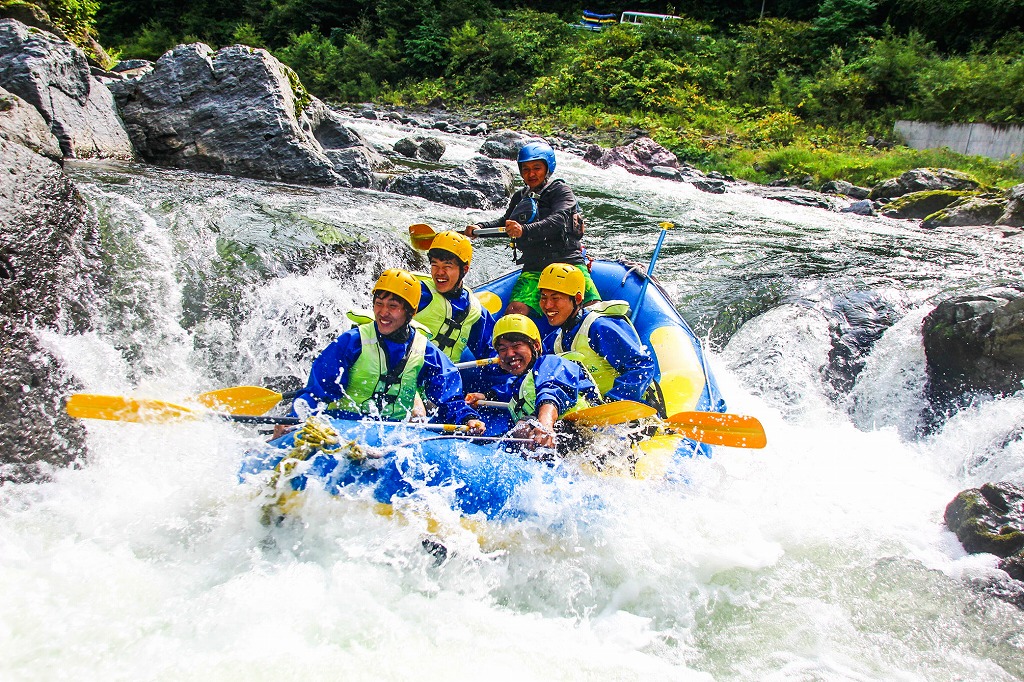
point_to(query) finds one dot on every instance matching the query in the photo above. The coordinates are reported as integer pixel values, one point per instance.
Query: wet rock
(22, 124)
(666, 172)
(971, 210)
(239, 111)
(638, 157)
(920, 205)
(989, 519)
(921, 179)
(709, 185)
(48, 250)
(974, 344)
(479, 183)
(793, 195)
(1014, 213)
(420, 147)
(505, 144)
(862, 207)
(857, 321)
(54, 77)
(846, 189)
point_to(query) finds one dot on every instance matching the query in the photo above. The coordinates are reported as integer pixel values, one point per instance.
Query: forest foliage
(732, 75)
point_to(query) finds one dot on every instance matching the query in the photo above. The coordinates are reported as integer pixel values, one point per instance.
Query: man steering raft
(378, 368)
(544, 221)
(448, 309)
(600, 337)
(540, 389)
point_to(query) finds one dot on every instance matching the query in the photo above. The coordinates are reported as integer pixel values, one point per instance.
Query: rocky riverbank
(239, 111)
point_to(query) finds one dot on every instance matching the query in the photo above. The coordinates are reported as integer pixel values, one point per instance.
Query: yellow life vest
(449, 335)
(601, 371)
(371, 390)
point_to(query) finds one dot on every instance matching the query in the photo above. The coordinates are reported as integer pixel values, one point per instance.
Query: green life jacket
(451, 335)
(601, 371)
(524, 403)
(371, 389)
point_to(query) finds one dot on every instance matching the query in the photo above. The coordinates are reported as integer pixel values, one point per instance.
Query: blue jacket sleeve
(327, 375)
(479, 343)
(426, 296)
(615, 340)
(442, 385)
(557, 381)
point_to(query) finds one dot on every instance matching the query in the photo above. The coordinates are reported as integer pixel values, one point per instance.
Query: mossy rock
(920, 205)
(989, 519)
(978, 209)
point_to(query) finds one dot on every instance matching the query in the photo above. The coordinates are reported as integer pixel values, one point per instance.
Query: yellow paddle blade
(490, 300)
(718, 428)
(249, 400)
(422, 236)
(119, 408)
(609, 414)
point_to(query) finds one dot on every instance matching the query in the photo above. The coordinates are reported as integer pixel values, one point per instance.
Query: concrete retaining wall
(976, 139)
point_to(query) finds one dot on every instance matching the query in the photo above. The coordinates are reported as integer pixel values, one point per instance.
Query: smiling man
(600, 337)
(378, 368)
(540, 389)
(460, 326)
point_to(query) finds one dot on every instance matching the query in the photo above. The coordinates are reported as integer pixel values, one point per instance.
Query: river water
(821, 557)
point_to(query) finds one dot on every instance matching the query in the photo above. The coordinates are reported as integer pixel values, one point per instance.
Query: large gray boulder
(240, 111)
(920, 205)
(22, 124)
(505, 144)
(1013, 215)
(923, 179)
(983, 209)
(48, 248)
(479, 183)
(974, 344)
(54, 77)
(638, 157)
(420, 147)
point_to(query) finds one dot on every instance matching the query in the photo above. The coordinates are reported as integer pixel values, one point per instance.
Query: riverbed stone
(989, 519)
(974, 344)
(421, 147)
(846, 189)
(639, 157)
(48, 253)
(239, 111)
(478, 183)
(21, 123)
(982, 209)
(922, 179)
(505, 144)
(1013, 215)
(54, 77)
(920, 205)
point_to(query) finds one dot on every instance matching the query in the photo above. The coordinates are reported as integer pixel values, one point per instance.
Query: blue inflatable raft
(387, 461)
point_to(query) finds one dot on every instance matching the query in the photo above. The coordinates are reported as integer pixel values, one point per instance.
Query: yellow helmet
(401, 283)
(515, 324)
(455, 243)
(563, 278)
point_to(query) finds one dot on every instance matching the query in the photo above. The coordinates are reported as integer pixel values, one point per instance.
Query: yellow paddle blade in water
(609, 414)
(120, 408)
(250, 400)
(720, 428)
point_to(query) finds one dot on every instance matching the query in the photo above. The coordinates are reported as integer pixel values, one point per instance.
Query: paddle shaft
(650, 272)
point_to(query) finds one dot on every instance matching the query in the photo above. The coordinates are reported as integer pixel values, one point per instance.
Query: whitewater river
(822, 557)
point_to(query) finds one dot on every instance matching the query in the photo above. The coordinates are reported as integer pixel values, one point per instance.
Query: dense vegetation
(794, 92)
